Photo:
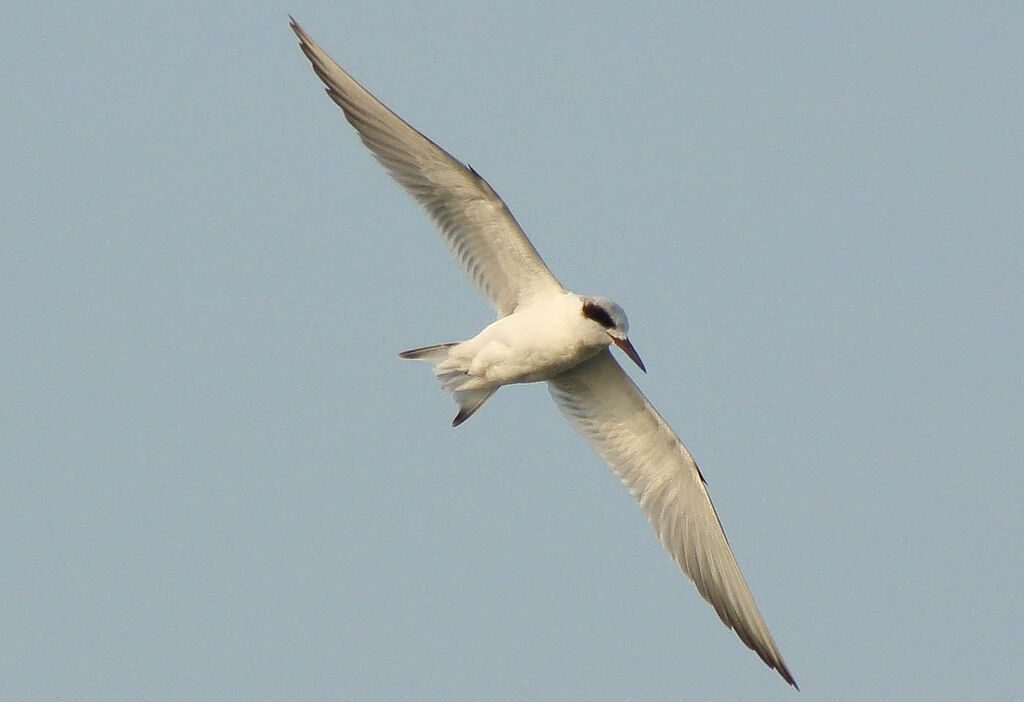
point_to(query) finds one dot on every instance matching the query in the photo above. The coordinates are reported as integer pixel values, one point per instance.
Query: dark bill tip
(627, 348)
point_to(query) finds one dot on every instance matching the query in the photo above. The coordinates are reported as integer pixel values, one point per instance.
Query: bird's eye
(597, 313)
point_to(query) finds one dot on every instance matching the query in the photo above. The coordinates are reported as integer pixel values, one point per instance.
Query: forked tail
(433, 354)
(453, 380)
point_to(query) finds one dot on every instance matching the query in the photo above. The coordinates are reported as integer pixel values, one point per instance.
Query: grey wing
(607, 409)
(474, 222)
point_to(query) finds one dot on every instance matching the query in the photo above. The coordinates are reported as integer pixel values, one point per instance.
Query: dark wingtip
(782, 670)
(460, 418)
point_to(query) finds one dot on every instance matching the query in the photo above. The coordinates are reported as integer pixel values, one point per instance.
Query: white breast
(532, 344)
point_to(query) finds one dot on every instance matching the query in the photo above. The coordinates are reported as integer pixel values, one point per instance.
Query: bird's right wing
(609, 411)
(473, 220)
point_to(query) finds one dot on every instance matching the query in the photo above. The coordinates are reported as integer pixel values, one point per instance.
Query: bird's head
(613, 320)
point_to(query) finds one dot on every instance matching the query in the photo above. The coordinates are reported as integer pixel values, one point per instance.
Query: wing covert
(610, 412)
(473, 220)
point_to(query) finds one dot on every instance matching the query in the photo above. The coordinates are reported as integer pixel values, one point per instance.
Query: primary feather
(474, 222)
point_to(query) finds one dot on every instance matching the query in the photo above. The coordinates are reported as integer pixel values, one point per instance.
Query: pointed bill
(627, 348)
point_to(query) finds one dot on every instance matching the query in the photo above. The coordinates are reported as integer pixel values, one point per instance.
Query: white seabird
(545, 332)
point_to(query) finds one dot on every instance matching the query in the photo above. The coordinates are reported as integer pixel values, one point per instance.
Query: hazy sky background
(220, 482)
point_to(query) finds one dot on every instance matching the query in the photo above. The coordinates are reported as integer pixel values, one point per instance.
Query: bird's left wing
(473, 220)
(607, 409)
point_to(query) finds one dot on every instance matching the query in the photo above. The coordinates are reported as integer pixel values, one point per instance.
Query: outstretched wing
(474, 222)
(609, 411)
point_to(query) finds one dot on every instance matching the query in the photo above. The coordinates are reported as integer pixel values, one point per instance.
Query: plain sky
(220, 482)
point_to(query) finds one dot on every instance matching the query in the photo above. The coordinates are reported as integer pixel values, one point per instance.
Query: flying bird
(547, 333)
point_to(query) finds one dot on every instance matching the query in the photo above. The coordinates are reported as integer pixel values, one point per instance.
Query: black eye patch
(597, 313)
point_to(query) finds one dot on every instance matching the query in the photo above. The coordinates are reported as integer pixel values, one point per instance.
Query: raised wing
(474, 222)
(607, 409)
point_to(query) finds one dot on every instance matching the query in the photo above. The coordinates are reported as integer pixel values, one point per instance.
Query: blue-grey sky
(220, 482)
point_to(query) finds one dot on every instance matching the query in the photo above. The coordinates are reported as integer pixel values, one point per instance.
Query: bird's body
(536, 342)
(546, 333)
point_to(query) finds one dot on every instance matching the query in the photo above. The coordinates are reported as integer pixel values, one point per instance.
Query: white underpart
(532, 344)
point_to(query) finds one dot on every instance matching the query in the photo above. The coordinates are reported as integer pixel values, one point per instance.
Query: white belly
(535, 344)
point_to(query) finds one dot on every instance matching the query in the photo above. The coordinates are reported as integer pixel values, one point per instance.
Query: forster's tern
(545, 332)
